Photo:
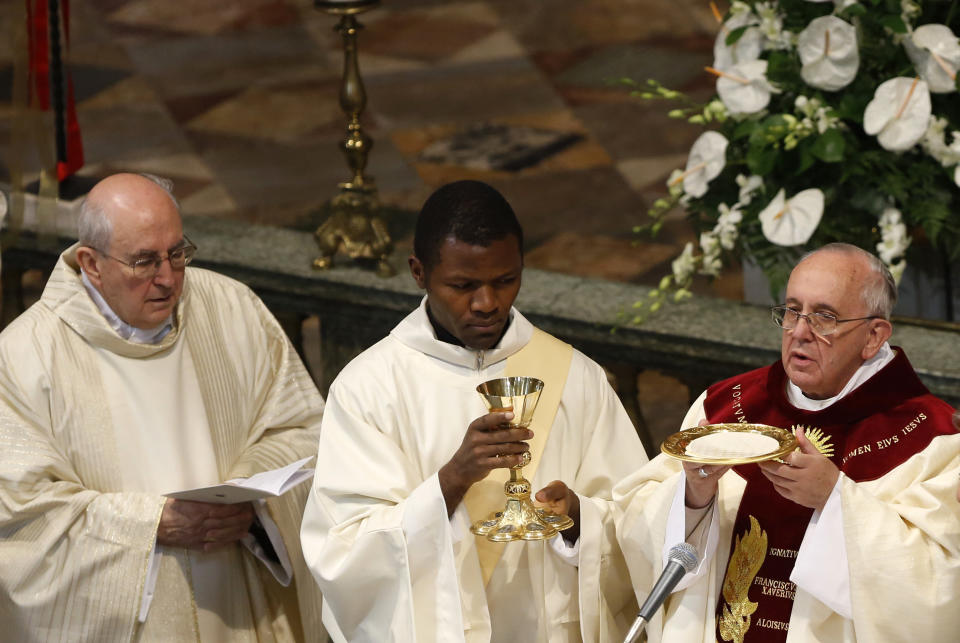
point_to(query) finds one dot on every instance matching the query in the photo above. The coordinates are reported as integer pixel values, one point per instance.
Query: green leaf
(829, 146)
(854, 11)
(761, 159)
(745, 128)
(735, 35)
(894, 24)
(806, 157)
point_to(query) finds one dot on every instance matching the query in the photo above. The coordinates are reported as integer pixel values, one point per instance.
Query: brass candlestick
(354, 226)
(520, 519)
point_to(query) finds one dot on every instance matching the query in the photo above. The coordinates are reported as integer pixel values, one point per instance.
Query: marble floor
(238, 104)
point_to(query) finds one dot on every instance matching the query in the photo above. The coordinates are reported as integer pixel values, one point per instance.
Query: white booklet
(268, 484)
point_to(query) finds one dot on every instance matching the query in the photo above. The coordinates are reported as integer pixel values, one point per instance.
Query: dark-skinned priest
(852, 537)
(410, 457)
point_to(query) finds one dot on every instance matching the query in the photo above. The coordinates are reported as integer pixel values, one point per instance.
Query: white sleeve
(425, 525)
(677, 533)
(821, 567)
(281, 568)
(567, 552)
(677, 528)
(150, 584)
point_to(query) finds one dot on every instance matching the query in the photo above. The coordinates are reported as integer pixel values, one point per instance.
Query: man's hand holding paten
(702, 481)
(807, 478)
(201, 525)
(489, 443)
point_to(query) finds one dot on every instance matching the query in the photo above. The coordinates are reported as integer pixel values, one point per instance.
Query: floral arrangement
(835, 120)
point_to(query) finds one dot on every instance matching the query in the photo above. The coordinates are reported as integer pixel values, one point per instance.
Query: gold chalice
(520, 519)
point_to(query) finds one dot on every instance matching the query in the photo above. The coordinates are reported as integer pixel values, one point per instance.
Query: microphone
(681, 559)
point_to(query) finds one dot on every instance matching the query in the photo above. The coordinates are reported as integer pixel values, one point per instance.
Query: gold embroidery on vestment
(817, 438)
(748, 555)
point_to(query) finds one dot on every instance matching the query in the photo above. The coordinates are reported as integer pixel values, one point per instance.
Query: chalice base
(521, 520)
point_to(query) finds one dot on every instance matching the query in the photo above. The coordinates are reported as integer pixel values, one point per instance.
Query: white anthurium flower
(708, 157)
(956, 176)
(744, 88)
(791, 222)
(936, 53)
(748, 47)
(899, 113)
(828, 51)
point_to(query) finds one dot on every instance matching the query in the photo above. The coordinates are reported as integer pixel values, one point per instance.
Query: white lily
(893, 234)
(708, 157)
(710, 263)
(727, 228)
(684, 265)
(828, 51)
(744, 88)
(899, 113)
(896, 270)
(934, 142)
(791, 222)
(935, 51)
(748, 185)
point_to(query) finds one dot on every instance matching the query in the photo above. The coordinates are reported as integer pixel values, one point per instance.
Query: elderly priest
(409, 458)
(855, 536)
(134, 376)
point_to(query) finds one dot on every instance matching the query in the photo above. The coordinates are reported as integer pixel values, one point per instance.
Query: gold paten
(520, 519)
(749, 553)
(675, 446)
(354, 226)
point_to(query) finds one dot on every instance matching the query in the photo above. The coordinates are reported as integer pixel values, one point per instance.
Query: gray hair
(94, 228)
(879, 295)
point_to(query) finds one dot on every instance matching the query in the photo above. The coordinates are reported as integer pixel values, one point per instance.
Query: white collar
(125, 330)
(416, 331)
(867, 370)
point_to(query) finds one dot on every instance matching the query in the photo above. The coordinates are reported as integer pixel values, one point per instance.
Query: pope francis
(855, 536)
(134, 376)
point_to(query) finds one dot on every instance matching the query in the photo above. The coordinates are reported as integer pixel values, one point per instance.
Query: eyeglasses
(148, 267)
(821, 323)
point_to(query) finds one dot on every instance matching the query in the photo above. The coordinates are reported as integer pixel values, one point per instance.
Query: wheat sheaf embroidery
(749, 553)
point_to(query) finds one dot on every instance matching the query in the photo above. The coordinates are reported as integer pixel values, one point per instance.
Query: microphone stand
(636, 630)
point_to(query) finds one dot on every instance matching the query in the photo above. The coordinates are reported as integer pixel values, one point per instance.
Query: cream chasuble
(393, 566)
(93, 428)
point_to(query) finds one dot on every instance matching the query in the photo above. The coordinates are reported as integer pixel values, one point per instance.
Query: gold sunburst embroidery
(749, 553)
(817, 438)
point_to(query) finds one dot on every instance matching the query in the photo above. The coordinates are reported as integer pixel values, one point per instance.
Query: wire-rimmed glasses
(148, 267)
(821, 323)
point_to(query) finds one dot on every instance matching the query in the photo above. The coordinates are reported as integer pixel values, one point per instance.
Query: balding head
(878, 289)
(126, 218)
(95, 221)
(835, 281)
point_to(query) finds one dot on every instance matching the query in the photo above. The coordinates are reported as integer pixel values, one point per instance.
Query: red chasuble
(878, 426)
